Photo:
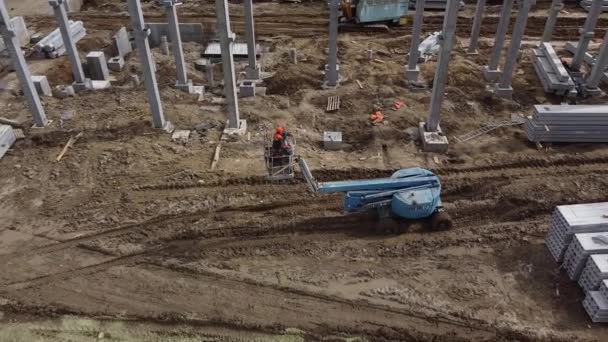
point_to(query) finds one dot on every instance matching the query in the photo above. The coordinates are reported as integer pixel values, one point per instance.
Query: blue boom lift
(409, 194)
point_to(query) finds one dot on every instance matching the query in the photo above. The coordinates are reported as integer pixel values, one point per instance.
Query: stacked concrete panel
(7, 139)
(551, 72)
(23, 35)
(583, 245)
(594, 273)
(568, 220)
(568, 123)
(596, 305)
(52, 45)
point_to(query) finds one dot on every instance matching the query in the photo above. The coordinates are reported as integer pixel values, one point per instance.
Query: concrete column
(141, 34)
(556, 6)
(226, 45)
(412, 70)
(473, 41)
(176, 44)
(597, 72)
(253, 70)
(491, 72)
(441, 73)
(331, 69)
(23, 74)
(80, 82)
(586, 34)
(503, 88)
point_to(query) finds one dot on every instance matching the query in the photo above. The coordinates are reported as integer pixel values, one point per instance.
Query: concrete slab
(116, 63)
(98, 67)
(42, 85)
(121, 44)
(189, 32)
(7, 139)
(490, 75)
(241, 130)
(247, 89)
(332, 140)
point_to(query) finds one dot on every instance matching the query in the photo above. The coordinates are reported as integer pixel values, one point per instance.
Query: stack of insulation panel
(52, 45)
(568, 220)
(568, 123)
(582, 246)
(594, 272)
(596, 304)
(551, 72)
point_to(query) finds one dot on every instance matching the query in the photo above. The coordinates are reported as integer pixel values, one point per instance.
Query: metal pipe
(473, 41)
(226, 45)
(176, 42)
(597, 72)
(516, 36)
(586, 34)
(412, 63)
(499, 41)
(332, 69)
(70, 47)
(556, 6)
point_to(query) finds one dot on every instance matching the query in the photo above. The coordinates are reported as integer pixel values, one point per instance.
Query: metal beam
(176, 44)
(504, 86)
(141, 34)
(23, 74)
(331, 71)
(252, 71)
(556, 6)
(441, 73)
(474, 39)
(586, 34)
(491, 71)
(80, 81)
(412, 70)
(226, 45)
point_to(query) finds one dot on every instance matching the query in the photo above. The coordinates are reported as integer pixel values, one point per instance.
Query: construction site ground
(132, 237)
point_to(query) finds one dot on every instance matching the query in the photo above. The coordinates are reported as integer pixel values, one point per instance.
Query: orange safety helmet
(279, 130)
(278, 136)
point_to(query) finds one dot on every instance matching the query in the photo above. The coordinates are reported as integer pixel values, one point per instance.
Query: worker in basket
(281, 147)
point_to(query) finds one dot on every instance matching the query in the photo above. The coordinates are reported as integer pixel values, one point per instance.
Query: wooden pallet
(333, 103)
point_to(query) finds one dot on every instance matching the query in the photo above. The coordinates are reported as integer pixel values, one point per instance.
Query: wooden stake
(360, 85)
(69, 144)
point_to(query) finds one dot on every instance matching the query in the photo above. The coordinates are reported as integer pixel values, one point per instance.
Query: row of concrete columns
(23, 73)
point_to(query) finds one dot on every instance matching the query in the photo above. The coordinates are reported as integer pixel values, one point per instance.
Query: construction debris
(333, 103)
(568, 123)
(488, 127)
(52, 45)
(7, 139)
(69, 144)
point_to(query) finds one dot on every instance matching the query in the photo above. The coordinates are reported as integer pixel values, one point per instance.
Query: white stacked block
(7, 139)
(582, 246)
(596, 305)
(594, 272)
(568, 220)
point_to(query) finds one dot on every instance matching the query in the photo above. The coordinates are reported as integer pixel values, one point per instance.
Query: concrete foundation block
(121, 44)
(188, 88)
(42, 85)
(504, 93)
(412, 74)
(241, 130)
(98, 67)
(332, 140)
(490, 75)
(432, 141)
(7, 139)
(247, 89)
(116, 64)
(260, 91)
(594, 92)
(100, 85)
(78, 87)
(293, 55)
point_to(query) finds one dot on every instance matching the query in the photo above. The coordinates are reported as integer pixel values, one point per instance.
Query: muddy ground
(133, 235)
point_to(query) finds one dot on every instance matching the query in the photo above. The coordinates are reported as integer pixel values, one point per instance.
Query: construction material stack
(568, 123)
(52, 45)
(551, 72)
(578, 237)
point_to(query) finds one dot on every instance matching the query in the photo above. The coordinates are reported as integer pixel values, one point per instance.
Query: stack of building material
(568, 123)
(434, 4)
(52, 45)
(596, 304)
(583, 245)
(578, 235)
(586, 4)
(551, 72)
(7, 139)
(594, 272)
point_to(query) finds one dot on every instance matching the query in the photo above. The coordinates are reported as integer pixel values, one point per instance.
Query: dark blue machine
(410, 194)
